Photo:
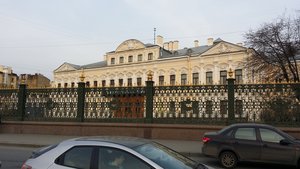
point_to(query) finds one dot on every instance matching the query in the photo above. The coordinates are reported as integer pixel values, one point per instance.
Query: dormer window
(112, 61)
(121, 59)
(150, 56)
(140, 57)
(130, 58)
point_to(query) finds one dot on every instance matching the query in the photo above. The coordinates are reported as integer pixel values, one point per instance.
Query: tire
(228, 159)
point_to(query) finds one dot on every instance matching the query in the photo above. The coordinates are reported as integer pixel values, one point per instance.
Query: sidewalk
(190, 148)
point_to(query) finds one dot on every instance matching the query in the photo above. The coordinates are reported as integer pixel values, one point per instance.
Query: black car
(252, 143)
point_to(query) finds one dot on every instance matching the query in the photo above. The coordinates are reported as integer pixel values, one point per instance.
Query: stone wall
(154, 131)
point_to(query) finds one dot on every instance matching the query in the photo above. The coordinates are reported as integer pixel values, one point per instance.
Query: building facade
(35, 81)
(8, 79)
(132, 61)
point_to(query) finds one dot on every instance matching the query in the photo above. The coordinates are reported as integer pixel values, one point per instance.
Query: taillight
(206, 139)
(24, 166)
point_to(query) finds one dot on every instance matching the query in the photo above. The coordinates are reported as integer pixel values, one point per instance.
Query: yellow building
(132, 60)
(8, 79)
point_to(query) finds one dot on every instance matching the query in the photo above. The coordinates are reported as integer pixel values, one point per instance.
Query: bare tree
(276, 46)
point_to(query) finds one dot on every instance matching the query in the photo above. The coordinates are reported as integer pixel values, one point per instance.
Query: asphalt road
(14, 157)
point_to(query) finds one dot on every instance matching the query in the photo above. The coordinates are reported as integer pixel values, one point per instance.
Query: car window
(110, 158)
(165, 157)
(245, 134)
(77, 157)
(268, 135)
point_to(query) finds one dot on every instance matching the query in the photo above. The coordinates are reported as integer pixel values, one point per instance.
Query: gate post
(231, 100)
(22, 98)
(149, 98)
(81, 98)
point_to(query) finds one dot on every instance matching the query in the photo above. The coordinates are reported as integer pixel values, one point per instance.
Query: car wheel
(228, 159)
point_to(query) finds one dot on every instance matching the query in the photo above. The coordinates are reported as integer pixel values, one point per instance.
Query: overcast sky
(37, 36)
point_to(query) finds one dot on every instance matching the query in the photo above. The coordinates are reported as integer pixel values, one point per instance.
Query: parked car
(109, 153)
(253, 143)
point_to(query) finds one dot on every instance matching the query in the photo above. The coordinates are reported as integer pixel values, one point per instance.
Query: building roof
(164, 54)
(94, 65)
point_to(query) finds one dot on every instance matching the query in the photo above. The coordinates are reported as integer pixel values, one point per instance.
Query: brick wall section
(154, 131)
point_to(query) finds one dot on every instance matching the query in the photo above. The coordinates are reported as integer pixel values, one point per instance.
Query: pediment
(224, 47)
(65, 67)
(130, 44)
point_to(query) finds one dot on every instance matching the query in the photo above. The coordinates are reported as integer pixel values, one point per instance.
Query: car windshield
(165, 157)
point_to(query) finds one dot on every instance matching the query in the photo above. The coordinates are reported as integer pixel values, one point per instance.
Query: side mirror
(284, 142)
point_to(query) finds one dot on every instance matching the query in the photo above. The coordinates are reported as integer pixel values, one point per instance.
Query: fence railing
(214, 104)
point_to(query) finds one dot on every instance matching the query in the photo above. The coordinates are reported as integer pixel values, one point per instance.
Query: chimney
(159, 40)
(210, 41)
(196, 43)
(175, 45)
(166, 45)
(171, 46)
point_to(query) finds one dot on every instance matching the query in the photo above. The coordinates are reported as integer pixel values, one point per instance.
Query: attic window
(112, 61)
(176, 53)
(189, 51)
(140, 57)
(130, 58)
(150, 56)
(121, 59)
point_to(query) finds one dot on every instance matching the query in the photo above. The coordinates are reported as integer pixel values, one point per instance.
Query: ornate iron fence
(51, 104)
(9, 104)
(216, 104)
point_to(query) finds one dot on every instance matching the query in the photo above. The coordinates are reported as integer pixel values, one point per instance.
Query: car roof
(130, 142)
(251, 125)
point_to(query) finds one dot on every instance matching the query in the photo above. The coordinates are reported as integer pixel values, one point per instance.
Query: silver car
(109, 153)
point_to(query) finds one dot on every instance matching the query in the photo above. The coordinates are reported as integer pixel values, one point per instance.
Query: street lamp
(150, 75)
(230, 74)
(81, 77)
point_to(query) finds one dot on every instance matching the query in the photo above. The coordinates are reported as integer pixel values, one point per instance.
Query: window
(112, 83)
(223, 77)
(139, 81)
(87, 84)
(116, 158)
(270, 136)
(150, 56)
(172, 79)
(59, 85)
(245, 134)
(121, 59)
(77, 157)
(129, 82)
(72, 84)
(209, 78)
(130, 58)
(66, 85)
(195, 78)
(120, 82)
(95, 84)
(161, 80)
(103, 83)
(112, 61)
(183, 79)
(140, 57)
(238, 76)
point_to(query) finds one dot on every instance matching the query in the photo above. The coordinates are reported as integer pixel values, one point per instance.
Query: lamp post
(81, 97)
(149, 91)
(231, 100)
